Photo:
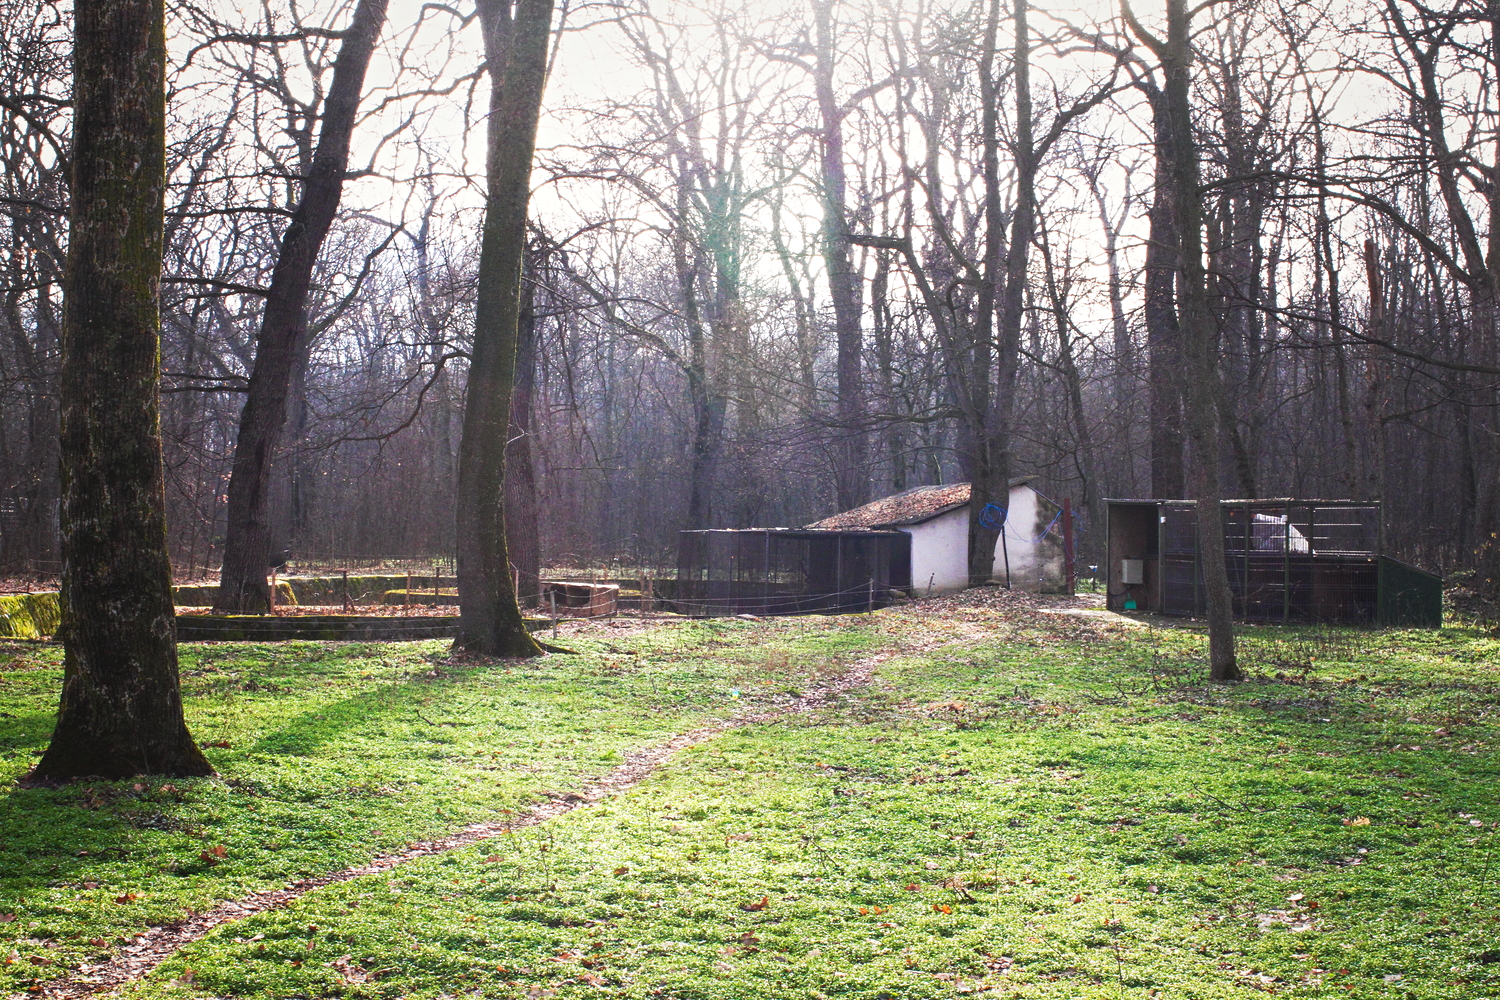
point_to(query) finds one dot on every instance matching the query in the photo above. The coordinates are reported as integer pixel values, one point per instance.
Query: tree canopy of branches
(789, 256)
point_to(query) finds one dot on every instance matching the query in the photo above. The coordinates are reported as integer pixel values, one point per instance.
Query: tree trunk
(1163, 351)
(991, 481)
(121, 709)
(521, 534)
(247, 540)
(852, 478)
(515, 47)
(1199, 373)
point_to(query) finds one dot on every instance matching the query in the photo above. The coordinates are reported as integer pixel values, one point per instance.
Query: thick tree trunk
(1163, 350)
(121, 710)
(521, 534)
(1199, 373)
(991, 481)
(852, 477)
(707, 402)
(515, 47)
(885, 363)
(247, 541)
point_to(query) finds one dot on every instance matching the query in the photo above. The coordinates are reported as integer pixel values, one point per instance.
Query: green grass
(329, 754)
(1061, 811)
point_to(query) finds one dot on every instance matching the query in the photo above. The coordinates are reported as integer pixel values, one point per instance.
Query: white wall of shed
(1035, 553)
(940, 553)
(940, 548)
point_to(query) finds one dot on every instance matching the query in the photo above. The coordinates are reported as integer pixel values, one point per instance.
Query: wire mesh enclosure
(784, 571)
(1288, 560)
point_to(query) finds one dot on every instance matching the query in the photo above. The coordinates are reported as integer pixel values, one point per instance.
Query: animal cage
(1288, 560)
(789, 571)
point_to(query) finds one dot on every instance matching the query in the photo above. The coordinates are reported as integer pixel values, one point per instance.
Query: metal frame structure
(1288, 560)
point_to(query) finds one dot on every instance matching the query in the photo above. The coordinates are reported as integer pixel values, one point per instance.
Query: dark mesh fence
(1288, 560)
(776, 571)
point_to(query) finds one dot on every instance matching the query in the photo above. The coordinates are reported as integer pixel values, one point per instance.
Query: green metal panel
(1409, 597)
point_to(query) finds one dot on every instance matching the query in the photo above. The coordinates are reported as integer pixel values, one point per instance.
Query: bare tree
(515, 48)
(1200, 376)
(247, 543)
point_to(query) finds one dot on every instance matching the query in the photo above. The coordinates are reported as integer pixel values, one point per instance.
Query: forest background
(760, 275)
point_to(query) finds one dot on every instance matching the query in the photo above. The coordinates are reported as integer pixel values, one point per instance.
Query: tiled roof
(911, 507)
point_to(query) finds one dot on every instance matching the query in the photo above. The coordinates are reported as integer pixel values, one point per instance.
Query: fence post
(437, 582)
(406, 594)
(870, 601)
(552, 596)
(348, 604)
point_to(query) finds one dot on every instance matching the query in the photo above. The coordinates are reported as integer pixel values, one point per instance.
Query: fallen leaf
(1078, 897)
(129, 897)
(755, 907)
(6, 918)
(621, 870)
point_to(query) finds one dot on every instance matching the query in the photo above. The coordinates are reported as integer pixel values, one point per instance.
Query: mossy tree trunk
(121, 710)
(247, 541)
(515, 47)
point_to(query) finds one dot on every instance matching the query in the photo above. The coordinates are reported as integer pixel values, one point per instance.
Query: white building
(1028, 554)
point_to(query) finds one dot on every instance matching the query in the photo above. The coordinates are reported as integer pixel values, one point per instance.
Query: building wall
(939, 548)
(1037, 561)
(940, 553)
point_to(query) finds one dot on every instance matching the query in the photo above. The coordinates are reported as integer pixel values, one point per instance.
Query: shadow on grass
(311, 731)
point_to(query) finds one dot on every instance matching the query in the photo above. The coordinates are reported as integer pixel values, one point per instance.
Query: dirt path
(150, 949)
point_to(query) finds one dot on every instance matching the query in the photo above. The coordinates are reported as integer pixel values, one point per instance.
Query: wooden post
(348, 604)
(650, 593)
(870, 602)
(515, 583)
(1068, 550)
(552, 596)
(641, 600)
(406, 594)
(273, 591)
(437, 582)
